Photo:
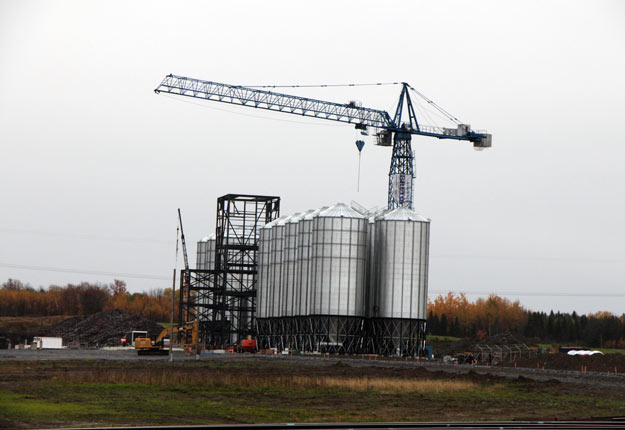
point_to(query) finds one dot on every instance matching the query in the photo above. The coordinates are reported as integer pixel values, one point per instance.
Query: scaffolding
(223, 298)
(500, 353)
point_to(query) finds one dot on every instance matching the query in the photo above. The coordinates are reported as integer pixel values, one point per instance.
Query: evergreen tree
(443, 325)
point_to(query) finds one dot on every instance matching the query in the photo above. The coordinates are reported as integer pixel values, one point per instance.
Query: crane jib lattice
(278, 102)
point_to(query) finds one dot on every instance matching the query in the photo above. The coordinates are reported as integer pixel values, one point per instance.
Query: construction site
(340, 279)
(312, 215)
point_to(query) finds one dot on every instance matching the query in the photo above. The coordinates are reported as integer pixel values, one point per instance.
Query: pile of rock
(101, 329)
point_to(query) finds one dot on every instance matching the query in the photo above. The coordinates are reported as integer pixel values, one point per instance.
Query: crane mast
(389, 131)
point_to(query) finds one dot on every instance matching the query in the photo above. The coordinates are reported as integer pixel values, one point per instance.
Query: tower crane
(390, 131)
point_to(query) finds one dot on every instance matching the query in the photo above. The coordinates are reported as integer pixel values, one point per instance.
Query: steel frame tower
(223, 298)
(401, 174)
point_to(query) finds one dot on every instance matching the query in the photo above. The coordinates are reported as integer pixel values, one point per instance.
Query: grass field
(611, 350)
(52, 394)
(432, 337)
(555, 348)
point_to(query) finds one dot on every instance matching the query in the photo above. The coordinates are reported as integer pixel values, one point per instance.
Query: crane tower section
(396, 131)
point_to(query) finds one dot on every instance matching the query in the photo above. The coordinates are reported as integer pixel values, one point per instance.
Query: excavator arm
(183, 328)
(145, 346)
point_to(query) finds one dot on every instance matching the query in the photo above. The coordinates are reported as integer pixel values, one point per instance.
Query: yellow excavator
(145, 345)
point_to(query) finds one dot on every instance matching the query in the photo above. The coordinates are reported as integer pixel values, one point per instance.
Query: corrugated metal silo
(264, 270)
(274, 296)
(304, 243)
(401, 261)
(201, 253)
(206, 261)
(209, 261)
(290, 280)
(370, 273)
(338, 257)
(206, 253)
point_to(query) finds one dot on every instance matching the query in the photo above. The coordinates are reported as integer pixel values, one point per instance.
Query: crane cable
(437, 107)
(423, 96)
(428, 100)
(372, 84)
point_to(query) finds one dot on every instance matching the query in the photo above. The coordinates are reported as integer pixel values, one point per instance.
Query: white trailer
(47, 343)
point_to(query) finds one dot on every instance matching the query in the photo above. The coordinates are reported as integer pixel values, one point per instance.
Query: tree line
(454, 315)
(448, 315)
(18, 299)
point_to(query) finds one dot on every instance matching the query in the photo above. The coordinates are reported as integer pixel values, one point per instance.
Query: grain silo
(304, 243)
(268, 288)
(264, 270)
(289, 279)
(206, 253)
(338, 257)
(201, 253)
(205, 261)
(277, 260)
(342, 281)
(398, 287)
(264, 295)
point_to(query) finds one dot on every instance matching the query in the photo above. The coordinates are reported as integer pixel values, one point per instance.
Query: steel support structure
(223, 298)
(343, 335)
(401, 173)
(397, 336)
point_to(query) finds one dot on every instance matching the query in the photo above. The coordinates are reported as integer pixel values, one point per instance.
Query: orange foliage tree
(18, 299)
(453, 314)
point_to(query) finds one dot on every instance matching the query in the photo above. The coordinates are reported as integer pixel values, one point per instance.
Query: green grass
(35, 408)
(611, 350)
(604, 350)
(447, 338)
(118, 404)
(53, 394)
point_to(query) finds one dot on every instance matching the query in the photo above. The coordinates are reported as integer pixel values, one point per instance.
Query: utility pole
(171, 322)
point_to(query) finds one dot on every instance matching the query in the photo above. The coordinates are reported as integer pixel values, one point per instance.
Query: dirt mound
(592, 363)
(101, 329)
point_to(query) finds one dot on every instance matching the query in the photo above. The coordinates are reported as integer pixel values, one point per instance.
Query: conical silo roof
(312, 213)
(274, 222)
(296, 217)
(402, 214)
(340, 210)
(283, 220)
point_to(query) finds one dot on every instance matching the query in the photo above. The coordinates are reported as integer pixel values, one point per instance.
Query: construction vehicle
(130, 337)
(247, 345)
(145, 345)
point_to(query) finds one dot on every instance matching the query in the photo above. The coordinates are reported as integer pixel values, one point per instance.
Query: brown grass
(171, 377)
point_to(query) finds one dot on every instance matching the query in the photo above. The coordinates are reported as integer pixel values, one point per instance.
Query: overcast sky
(93, 164)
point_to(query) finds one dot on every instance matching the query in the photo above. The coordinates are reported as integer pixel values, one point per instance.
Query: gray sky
(93, 164)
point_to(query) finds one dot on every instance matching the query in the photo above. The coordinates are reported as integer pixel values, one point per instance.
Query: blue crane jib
(389, 131)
